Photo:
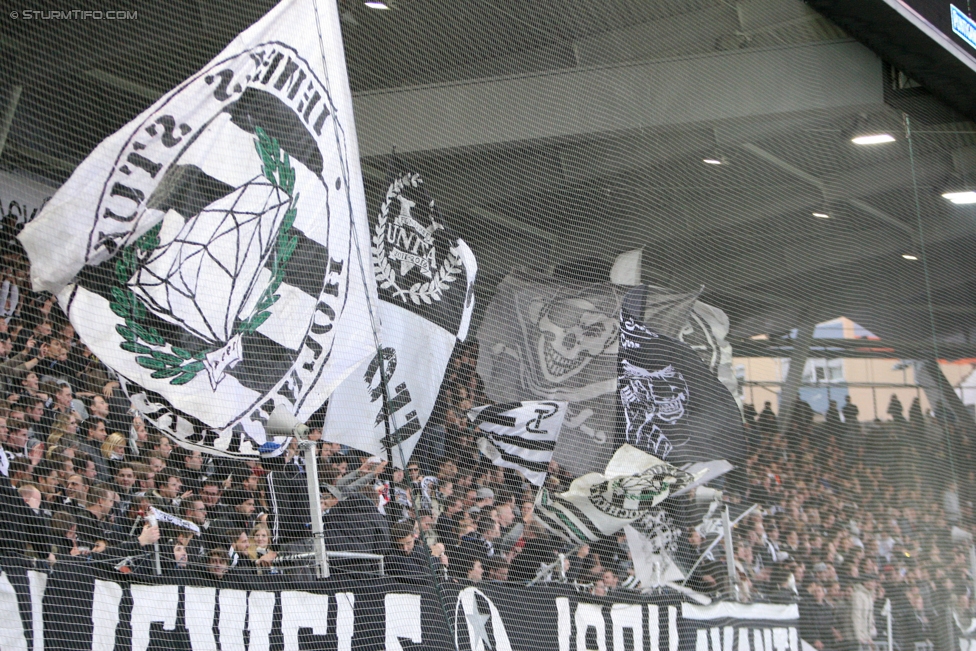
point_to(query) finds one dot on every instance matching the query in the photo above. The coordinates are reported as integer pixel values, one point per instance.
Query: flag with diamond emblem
(214, 252)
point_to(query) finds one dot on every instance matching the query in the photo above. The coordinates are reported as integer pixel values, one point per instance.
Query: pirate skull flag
(670, 403)
(543, 339)
(212, 251)
(555, 339)
(704, 327)
(425, 276)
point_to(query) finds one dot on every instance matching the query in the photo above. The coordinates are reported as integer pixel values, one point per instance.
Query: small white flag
(598, 505)
(520, 435)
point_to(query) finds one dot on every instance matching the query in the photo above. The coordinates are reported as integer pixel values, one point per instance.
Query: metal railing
(310, 556)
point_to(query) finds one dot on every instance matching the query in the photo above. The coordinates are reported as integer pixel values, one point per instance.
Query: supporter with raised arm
(368, 472)
(287, 493)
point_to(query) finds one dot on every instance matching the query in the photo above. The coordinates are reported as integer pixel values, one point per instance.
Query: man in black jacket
(93, 522)
(287, 494)
(356, 525)
(817, 619)
(96, 531)
(407, 561)
(540, 550)
(34, 523)
(124, 487)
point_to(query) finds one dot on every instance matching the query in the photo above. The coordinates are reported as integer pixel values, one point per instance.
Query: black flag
(669, 403)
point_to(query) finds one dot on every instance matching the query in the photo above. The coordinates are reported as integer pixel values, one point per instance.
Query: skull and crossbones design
(572, 331)
(651, 398)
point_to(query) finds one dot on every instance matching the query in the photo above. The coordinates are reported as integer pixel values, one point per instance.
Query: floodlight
(963, 197)
(872, 139)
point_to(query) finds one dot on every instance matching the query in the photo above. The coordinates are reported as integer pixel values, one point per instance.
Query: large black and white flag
(212, 251)
(704, 327)
(425, 275)
(599, 504)
(670, 403)
(546, 339)
(520, 435)
(555, 339)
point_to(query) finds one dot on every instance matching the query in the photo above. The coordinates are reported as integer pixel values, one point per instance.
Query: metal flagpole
(388, 424)
(373, 309)
(314, 501)
(729, 558)
(715, 542)
(387, 416)
(544, 570)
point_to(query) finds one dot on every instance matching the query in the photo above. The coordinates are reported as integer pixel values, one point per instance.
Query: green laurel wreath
(177, 364)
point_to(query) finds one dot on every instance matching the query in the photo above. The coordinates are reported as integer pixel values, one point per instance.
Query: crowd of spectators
(852, 515)
(835, 531)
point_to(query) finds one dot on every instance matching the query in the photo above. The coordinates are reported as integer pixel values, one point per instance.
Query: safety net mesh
(630, 324)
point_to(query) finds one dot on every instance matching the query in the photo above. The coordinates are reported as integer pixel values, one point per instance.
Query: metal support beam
(839, 187)
(613, 98)
(9, 110)
(315, 508)
(734, 590)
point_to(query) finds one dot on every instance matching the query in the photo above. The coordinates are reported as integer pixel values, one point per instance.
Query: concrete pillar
(801, 351)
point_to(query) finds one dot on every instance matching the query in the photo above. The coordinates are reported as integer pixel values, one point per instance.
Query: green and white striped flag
(597, 505)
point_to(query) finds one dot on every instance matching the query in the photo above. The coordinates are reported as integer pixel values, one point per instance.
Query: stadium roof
(558, 133)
